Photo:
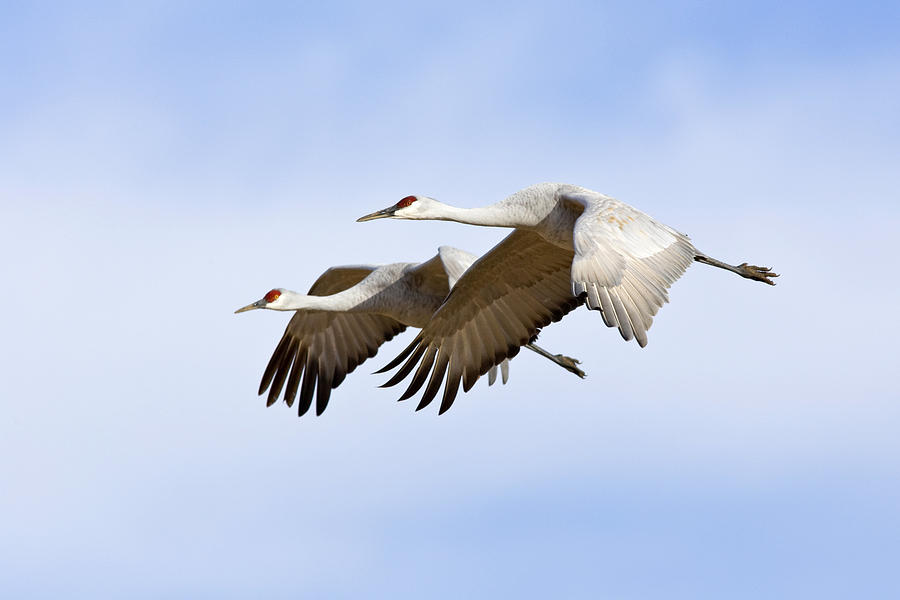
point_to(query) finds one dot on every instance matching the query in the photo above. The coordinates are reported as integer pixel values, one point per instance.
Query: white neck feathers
(341, 302)
(497, 215)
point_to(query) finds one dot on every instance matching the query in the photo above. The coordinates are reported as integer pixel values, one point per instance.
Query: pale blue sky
(163, 164)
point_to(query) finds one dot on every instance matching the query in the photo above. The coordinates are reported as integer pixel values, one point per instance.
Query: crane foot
(763, 274)
(570, 364)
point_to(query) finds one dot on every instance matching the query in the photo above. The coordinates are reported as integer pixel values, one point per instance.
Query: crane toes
(570, 364)
(756, 273)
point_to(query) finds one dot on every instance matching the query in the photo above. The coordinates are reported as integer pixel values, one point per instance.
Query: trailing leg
(566, 362)
(753, 272)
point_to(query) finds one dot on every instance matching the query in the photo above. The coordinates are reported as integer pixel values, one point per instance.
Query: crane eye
(406, 201)
(272, 296)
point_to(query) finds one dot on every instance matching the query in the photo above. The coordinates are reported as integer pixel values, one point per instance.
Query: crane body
(570, 245)
(348, 313)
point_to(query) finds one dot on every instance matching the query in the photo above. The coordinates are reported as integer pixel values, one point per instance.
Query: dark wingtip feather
(469, 379)
(323, 393)
(293, 382)
(437, 378)
(309, 384)
(421, 373)
(407, 368)
(400, 357)
(284, 367)
(272, 367)
(450, 390)
(449, 398)
(339, 377)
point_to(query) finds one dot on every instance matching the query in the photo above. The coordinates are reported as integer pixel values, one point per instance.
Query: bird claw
(570, 364)
(763, 274)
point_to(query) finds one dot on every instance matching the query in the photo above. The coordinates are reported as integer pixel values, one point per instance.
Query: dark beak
(258, 304)
(378, 214)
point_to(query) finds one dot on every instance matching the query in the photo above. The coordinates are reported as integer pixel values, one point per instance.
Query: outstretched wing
(455, 262)
(322, 347)
(497, 306)
(445, 269)
(625, 262)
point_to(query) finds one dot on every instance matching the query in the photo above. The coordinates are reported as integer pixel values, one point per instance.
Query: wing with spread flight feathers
(322, 347)
(498, 305)
(625, 262)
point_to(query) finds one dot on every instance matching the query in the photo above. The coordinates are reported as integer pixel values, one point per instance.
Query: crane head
(410, 207)
(270, 300)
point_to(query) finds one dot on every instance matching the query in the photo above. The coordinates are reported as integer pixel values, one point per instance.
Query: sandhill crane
(570, 246)
(349, 312)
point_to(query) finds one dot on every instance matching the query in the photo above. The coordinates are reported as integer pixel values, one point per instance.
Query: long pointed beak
(258, 304)
(378, 214)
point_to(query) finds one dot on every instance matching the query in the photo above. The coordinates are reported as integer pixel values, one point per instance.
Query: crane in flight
(349, 312)
(570, 245)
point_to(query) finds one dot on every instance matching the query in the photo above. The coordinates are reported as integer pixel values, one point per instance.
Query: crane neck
(340, 302)
(507, 213)
(495, 215)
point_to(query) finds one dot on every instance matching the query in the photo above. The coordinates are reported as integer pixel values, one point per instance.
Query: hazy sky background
(165, 163)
